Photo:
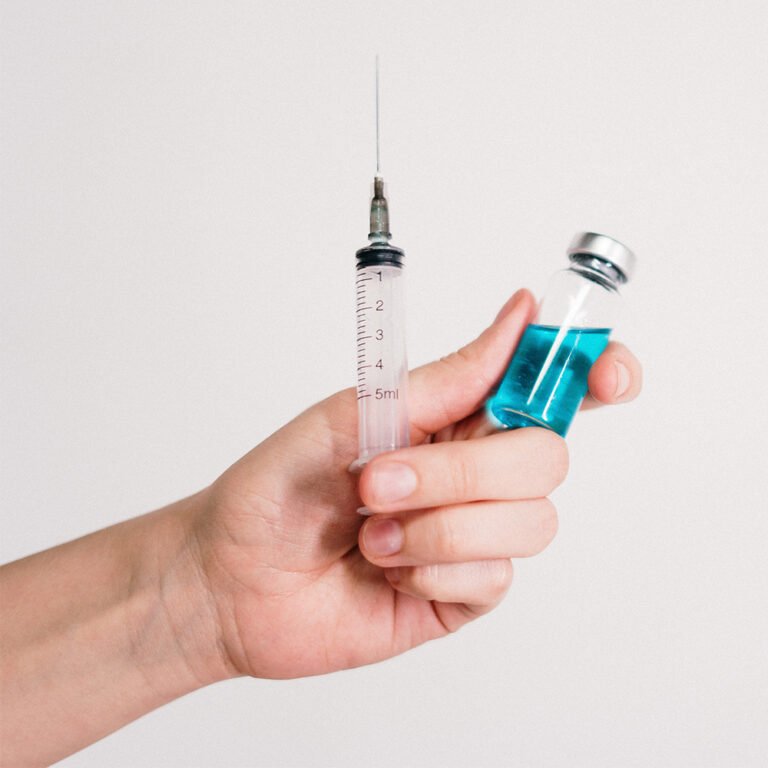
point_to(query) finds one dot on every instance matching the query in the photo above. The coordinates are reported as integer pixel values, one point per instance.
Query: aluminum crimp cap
(604, 248)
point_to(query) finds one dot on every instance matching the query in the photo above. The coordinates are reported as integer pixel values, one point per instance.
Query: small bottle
(547, 377)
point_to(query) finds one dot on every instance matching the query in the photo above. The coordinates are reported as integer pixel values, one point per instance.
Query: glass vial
(547, 377)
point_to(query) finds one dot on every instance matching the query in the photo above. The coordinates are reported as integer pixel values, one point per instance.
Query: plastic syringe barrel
(382, 369)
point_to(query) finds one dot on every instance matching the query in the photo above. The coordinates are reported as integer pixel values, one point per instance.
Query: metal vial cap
(604, 248)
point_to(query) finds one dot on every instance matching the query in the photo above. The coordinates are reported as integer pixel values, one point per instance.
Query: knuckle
(465, 359)
(422, 579)
(499, 578)
(463, 474)
(457, 359)
(549, 522)
(445, 539)
(558, 460)
(451, 362)
(563, 461)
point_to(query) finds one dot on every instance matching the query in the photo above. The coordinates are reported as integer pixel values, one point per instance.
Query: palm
(303, 598)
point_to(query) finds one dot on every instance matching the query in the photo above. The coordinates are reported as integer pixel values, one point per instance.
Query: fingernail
(509, 306)
(622, 379)
(364, 511)
(383, 537)
(392, 481)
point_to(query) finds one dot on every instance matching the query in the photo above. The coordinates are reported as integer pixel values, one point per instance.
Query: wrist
(175, 632)
(102, 630)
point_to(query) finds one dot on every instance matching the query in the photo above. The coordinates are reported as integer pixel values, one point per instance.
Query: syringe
(382, 370)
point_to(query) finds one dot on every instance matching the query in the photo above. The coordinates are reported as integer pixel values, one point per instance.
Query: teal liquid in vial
(547, 377)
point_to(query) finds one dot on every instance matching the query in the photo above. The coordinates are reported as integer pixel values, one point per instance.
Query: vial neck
(599, 271)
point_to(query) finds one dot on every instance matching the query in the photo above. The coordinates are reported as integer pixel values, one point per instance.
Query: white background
(184, 186)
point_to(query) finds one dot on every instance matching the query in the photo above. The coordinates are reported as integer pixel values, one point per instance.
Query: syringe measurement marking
(362, 337)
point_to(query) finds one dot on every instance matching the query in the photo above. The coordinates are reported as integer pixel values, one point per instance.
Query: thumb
(455, 386)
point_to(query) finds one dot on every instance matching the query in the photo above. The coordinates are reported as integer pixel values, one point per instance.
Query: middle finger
(484, 530)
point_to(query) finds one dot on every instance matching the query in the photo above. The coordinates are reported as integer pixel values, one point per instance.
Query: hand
(300, 584)
(272, 572)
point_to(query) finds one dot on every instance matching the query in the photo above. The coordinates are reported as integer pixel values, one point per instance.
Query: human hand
(272, 572)
(300, 584)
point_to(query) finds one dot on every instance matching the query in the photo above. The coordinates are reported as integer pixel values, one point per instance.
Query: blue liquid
(547, 377)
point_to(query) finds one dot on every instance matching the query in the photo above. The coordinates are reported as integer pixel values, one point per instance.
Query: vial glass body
(546, 380)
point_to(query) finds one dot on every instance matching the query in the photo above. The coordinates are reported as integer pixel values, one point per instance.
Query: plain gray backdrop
(184, 185)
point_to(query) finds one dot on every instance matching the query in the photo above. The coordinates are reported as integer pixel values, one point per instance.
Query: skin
(271, 572)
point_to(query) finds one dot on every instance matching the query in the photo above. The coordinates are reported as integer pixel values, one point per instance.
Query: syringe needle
(378, 159)
(382, 370)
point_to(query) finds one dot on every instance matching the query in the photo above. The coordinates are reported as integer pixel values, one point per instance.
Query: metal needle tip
(378, 157)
